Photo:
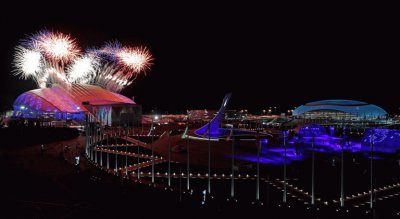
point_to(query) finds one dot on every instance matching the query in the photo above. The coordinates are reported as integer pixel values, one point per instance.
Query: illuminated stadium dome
(339, 109)
(73, 102)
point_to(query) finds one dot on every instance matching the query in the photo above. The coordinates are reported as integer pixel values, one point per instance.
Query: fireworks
(83, 69)
(55, 46)
(55, 58)
(135, 59)
(28, 63)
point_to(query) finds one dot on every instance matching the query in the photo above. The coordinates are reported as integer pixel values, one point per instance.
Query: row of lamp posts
(91, 132)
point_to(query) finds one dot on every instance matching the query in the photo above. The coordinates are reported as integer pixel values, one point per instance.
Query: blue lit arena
(340, 110)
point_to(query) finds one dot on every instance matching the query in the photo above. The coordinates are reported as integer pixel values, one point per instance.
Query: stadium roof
(356, 108)
(69, 100)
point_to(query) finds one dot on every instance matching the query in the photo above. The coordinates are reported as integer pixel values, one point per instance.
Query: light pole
(94, 142)
(258, 168)
(152, 149)
(284, 167)
(108, 156)
(169, 158)
(101, 154)
(126, 147)
(209, 161)
(116, 150)
(342, 174)
(232, 167)
(312, 170)
(138, 162)
(188, 156)
(138, 155)
(371, 203)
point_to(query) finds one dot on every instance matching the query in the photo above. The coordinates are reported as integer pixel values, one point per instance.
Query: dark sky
(266, 56)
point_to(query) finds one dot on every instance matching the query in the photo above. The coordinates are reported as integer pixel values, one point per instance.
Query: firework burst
(55, 46)
(27, 63)
(135, 59)
(55, 58)
(83, 69)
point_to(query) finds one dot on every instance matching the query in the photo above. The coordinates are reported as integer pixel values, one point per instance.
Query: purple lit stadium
(73, 103)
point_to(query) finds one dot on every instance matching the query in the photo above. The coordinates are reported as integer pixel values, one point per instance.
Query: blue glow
(312, 130)
(332, 131)
(298, 148)
(385, 140)
(273, 156)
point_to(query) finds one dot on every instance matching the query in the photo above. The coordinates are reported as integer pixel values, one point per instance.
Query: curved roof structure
(68, 100)
(356, 108)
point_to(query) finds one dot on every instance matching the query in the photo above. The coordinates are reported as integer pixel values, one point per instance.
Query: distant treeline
(28, 135)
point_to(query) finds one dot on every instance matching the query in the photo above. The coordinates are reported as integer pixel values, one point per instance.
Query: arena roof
(69, 100)
(356, 108)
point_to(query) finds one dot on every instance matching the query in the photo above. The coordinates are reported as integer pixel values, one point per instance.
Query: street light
(232, 167)
(258, 168)
(169, 158)
(108, 155)
(312, 169)
(371, 203)
(209, 160)
(342, 174)
(126, 147)
(188, 156)
(152, 149)
(284, 167)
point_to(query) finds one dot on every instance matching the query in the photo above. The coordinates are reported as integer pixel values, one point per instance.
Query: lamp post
(209, 161)
(87, 134)
(152, 149)
(258, 168)
(342, 174)
(187, 156)
(116, 150)
(232, 167)
(138, 161)
(94, 142)
(116, 162)
(101, 155)
(312, 170)
(108, 156)
(169, 158)
(138, 157)
(126, 148)
(284, 167)
(371, 203)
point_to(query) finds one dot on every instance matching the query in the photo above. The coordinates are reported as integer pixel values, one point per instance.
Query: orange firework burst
(135, 59)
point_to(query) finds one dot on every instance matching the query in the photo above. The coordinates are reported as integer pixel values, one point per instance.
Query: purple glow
(332, 131)
(211, 129)
(273, 156)
(385, 140)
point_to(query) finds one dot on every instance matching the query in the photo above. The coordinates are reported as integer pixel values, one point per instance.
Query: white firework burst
(27, 63)
(83, 69)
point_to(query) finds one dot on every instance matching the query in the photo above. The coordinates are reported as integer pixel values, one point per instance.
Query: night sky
(265, 56)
